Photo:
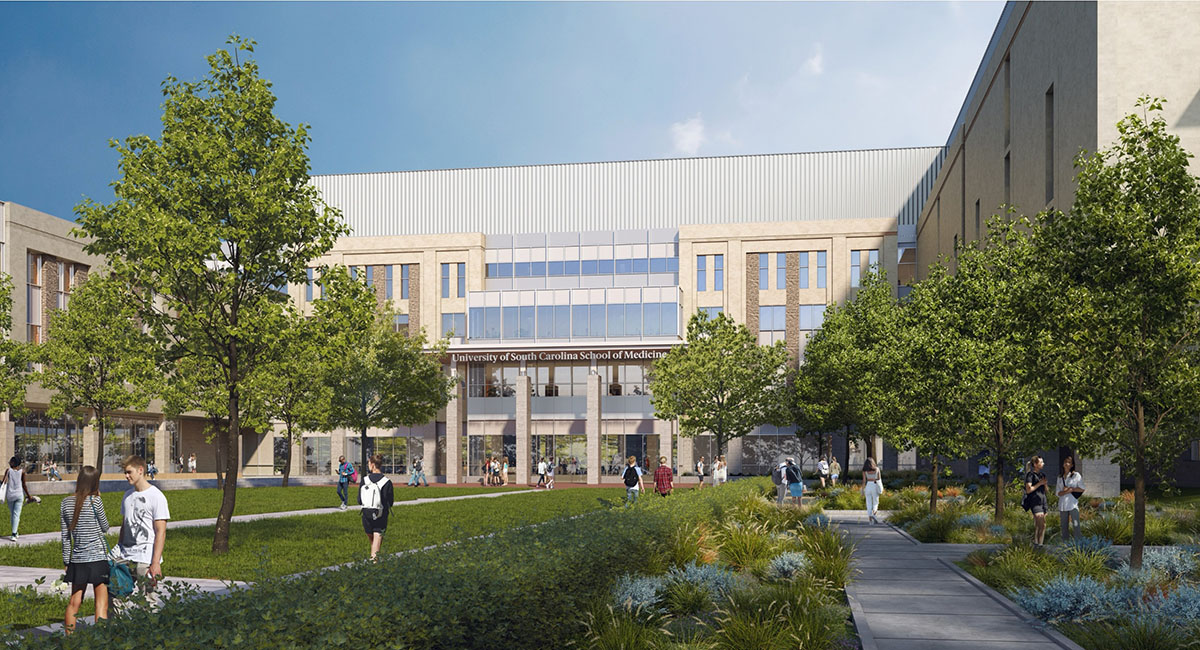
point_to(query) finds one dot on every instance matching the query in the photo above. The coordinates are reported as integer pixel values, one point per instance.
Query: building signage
(557, 355)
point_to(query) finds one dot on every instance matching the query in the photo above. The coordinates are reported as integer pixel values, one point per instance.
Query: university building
(560, 284)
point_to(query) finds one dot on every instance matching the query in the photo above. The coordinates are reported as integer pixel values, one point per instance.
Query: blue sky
(396, 86)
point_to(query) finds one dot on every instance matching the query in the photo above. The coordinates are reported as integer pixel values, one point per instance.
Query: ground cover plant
(1092, 595)
(203, 503)
(774, 581)
(502, 590)
(25, 608)
(276, 547)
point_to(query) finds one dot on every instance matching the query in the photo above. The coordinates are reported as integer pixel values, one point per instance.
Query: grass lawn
(203, 503)
(294, 544)
(1188, 498)
(23, 610)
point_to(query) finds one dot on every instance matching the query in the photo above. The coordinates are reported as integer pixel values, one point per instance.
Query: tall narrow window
(308, 285)
(462, 279)
(718, 272)
(855, 268)
(1007, 101)
(821, 256)
(873, 259)
(1007, 180)
(700, 272)
(803, 270)
(978, 227)
(445, 280)
(764, 273)
(780, 270)
(1050, 144)
(404, 271)
(33, 299)
(371, 277)
(387, 282)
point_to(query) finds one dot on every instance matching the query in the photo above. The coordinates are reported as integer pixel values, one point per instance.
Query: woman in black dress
(1035, 498)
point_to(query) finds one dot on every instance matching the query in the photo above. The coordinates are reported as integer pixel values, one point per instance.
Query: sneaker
(342, 507)
(13, 538)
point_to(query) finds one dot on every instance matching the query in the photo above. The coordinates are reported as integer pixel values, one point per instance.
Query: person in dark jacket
(375, 494)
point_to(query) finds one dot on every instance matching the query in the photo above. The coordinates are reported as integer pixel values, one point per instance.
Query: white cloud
(688, 135)
(815, 64)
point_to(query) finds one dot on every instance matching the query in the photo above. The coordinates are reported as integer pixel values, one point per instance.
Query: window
(1007, 180)
(1050, 144)
(772, 324)
(718, 272)
(781, 270)
(712, 312)
(33, 299)
(400, 322)
(371, 277)
(445, 280)
(803, 270)
(1195, 449)
(63, 295)
(811, 319)
(763, 272)
(821, 269)
(978, 232)
(388, 293)
(454, 324)
(404, 271)
(861, 263)
(308, 285)
(700, 283)
(462, 280)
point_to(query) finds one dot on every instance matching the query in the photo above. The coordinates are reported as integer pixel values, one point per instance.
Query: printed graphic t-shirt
(140, 510)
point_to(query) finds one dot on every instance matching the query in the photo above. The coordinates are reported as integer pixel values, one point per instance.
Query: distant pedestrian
(144, 515)
(720, 471)
(84, 551)
(504, 472)
(663, 477)
(835, 470)
(823, 471)
(985, 472)
(16, 492)
(344, 472)
(550, 475)
(418, 473)
(700, 470)
(794, 481)
(151, 470)
(541, 472)
(376, 497)
(1035, 498)
(872, 488)
(779, 478)
(632, 479)
(50, 469)
(192, 463)
(1070, 488)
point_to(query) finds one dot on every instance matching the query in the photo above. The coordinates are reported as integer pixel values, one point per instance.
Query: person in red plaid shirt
(662, 477)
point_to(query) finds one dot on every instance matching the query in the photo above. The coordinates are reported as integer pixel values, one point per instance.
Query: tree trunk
(1139, 493)
(846, 465)
(933, 492)
(999, 462)
(219, 456)
(287, 458)
(362, 443)
(230, 439)
(100, 446)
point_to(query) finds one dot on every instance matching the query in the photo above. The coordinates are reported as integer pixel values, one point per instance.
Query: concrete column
(1102, 476)
(91, 444)
(687, 463)
(523, 427)
(297, 459)
(162, 447)
(429, 450)
(454, 419)
(906, 459)
(8, 436)
(337, 447)
(666, 431)
(593, 429)
(733, 455)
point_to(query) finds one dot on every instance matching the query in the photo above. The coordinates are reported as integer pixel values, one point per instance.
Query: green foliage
(607, 628)
(747, 547)
(1137, 634)
(683, 598)
(14, 355)
(722, 382)
(25, 607)
(96, 357)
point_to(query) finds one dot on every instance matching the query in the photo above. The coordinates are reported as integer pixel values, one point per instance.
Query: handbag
(120, 577)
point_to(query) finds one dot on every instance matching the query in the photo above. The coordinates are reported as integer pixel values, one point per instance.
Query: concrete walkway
(42, 538)
(911, 596)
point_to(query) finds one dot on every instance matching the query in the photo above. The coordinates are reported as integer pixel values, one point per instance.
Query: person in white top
(872, 488)
(542, 472)
(700, 470)
(144, 516)
(16, 492)
(1070, 486)
(721, 473)
(822, 470)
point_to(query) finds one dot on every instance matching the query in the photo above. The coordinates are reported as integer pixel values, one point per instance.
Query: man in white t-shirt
(144, 516)
(541, 472)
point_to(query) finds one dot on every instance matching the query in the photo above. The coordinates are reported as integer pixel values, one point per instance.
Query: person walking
(144, 516)
(823, 471)
(835, 470)
(419, 473)
(719, 469)
(541, 469)
(700, 470)
(779, 478)
(344, 472)
(1035, 498)
(84, 550)
(192, 463)
(504, 472)
(663, 477)
(376, 496)
(1070, 487)
(550, 474)
(632, 479)
(412, 473)
(16, 493)
(872, 488)
(794, 481)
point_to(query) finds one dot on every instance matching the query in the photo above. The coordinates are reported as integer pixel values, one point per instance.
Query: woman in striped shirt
(84, 524)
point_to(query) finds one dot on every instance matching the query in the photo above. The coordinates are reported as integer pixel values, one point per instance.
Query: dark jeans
(343, 491)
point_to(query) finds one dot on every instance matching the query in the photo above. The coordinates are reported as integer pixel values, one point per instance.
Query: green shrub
(1133, 634)
(1113, 526)
(910, 512)
(614, 629)
(1092, 564)
(747, 547)
(829, 556)
(682, 598)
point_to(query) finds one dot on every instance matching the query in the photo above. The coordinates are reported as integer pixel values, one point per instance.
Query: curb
(865, 638)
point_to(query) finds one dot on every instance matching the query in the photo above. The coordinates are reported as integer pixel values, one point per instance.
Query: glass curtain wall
(565, 379)
(703, 445)
(39, 437)
(128, 437)
(620, 439)
(316, 456)
(397, 451)
(485, 440)
(563, 442)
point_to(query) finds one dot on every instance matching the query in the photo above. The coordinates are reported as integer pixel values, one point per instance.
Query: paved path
(911, 596)
(42, 538)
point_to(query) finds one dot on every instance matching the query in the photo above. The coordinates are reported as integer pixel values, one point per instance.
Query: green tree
(1125, 310)
(721, 382)
(209, 222)
(14, 355)
(382, 377)
(97, 357)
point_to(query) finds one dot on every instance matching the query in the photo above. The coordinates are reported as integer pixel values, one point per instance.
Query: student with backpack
(794, 482)
(376, 496)
(84, 550)
(550, 474)
(777, 477)
(346, 475)
(632, 479)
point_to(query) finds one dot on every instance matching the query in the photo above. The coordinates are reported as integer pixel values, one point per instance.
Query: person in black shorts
(376, 496)
(1035, 498)
(84, 552)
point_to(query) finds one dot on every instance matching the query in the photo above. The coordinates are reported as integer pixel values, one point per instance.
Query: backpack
(353, 474)
(630, 476)
(776, 475)
(418, 466)
(370, 495)
(793, 474)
